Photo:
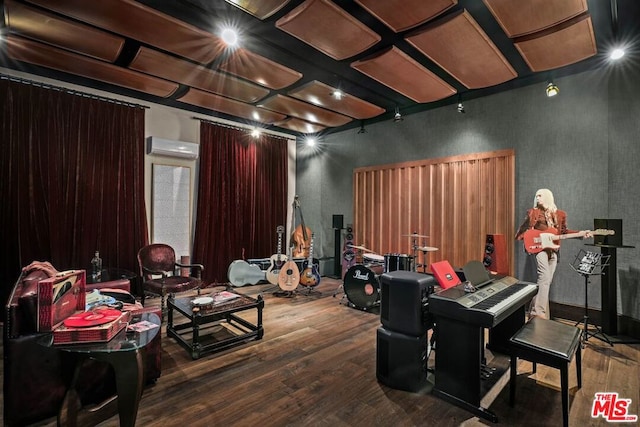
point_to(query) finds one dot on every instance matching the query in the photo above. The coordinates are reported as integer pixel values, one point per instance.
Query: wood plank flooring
(316, 366)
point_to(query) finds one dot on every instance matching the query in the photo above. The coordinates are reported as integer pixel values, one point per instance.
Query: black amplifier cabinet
(401, 361)
(405, 301)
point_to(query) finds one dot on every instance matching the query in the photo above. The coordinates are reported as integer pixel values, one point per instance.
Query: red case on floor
(59, 297)
(99, 333)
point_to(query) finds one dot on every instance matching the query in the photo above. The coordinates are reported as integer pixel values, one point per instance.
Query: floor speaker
(495, 254)
(348, 253)
(401, 360)
(404, 301)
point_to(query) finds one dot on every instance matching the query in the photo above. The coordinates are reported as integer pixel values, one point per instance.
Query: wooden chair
(161, 273)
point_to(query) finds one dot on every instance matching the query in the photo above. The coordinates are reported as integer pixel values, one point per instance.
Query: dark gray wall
(582, 144)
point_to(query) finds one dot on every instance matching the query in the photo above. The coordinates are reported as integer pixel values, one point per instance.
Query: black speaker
(401, 360)
(404, 301)
(338, 221)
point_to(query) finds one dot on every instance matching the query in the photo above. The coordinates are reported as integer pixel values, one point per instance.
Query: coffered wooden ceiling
(383, 55)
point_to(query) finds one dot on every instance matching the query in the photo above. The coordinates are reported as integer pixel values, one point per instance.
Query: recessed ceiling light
(229, 37)
(616, 53)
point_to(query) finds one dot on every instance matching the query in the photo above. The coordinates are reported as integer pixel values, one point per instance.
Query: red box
(99, 333)
(445, 275)
(59, 297)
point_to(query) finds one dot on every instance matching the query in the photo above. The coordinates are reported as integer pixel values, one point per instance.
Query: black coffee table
(212, 328)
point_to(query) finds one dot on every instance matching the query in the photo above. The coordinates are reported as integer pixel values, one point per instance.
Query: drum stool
(551, 343)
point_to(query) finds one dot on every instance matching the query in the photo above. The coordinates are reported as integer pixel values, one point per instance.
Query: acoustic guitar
(277, 260)
(310, 275)
(537, 240)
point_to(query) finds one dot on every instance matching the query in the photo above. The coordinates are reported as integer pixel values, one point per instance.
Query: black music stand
(590, 264)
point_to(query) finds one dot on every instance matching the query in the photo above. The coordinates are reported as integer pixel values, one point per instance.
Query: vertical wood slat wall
(456, 201)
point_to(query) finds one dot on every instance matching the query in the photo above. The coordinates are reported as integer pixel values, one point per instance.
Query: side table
(123, 353)
(198, 334)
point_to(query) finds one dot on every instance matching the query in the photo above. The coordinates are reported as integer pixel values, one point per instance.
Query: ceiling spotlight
(460, 108)
(616, 53)
(229, 37)
(311, 141)
(362, 129)
(255, 133)
(397, 117)
(552, 90)
(337, 94)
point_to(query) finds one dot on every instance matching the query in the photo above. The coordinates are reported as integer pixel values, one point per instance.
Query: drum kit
(361, 284)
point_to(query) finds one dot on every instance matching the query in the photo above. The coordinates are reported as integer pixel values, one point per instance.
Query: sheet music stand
(590, 264)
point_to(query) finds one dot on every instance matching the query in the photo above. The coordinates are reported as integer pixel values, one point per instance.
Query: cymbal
(362, 248)
(414, 235)
(427, 248)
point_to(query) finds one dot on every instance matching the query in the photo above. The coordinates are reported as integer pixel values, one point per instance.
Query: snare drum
(393, 262)
(375, 262)
(362, 287)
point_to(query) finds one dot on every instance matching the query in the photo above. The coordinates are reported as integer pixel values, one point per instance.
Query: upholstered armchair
(160, 272)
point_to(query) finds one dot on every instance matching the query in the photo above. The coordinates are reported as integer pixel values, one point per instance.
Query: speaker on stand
(337, 251)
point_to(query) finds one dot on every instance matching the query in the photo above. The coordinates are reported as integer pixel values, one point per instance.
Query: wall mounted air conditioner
(170, 148)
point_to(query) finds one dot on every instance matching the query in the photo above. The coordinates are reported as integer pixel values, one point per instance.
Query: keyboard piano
(486, 307)
(460, 319)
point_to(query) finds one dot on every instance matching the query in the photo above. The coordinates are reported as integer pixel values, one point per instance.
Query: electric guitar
(537, 240)
(310, 275)
(277, 260)
(242, 273)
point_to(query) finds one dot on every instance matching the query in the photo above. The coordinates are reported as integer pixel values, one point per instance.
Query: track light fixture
(337, 94)
(552, 89)
(460, 106)
(397, 117)
(362, 129)
(618, 50)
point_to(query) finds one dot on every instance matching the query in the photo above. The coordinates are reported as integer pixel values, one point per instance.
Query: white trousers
(547, 263)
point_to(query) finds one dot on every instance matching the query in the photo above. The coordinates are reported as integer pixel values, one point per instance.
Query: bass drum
(362, 287)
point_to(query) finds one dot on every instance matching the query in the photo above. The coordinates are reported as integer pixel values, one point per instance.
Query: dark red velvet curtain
(242, 197)
(72, 171)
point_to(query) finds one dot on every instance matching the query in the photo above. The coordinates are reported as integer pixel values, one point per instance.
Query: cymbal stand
(589, 264)
(415, 254)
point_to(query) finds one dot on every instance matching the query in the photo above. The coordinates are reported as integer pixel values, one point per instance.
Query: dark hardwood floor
(316, 365)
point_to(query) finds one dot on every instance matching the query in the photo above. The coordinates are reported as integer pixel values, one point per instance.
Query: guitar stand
(589, 264)
(308, 290)
(284, 294)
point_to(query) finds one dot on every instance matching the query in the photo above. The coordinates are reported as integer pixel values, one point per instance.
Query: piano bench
(552, 344)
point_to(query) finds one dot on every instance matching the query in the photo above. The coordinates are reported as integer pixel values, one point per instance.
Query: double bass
(301, 236)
